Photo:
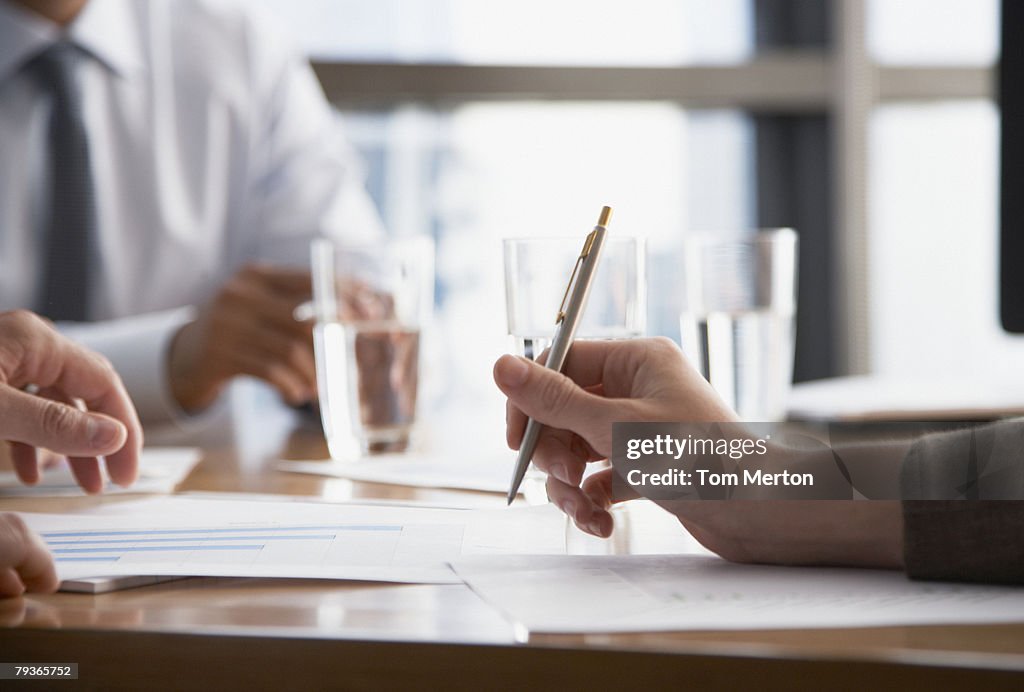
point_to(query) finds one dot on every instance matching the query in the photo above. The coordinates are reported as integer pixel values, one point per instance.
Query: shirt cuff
(138, 348)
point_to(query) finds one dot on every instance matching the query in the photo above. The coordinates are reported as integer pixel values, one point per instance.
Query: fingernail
(512, 371)
(102, 432)
(559, 471)
(594, 527)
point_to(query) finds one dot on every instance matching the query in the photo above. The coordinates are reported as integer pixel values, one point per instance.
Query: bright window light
(934, 32)
(521, 32)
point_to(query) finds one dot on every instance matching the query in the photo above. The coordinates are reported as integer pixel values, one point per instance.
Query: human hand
(63, 374)
(25, 562)
(247, 329)
(604, 382)
(649, 380)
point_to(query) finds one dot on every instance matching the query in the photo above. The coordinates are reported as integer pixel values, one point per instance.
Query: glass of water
(739, 317)
(537, 273)
(371, 304)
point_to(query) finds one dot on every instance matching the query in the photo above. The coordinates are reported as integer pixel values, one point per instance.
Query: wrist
(859, 533)
(193, 387)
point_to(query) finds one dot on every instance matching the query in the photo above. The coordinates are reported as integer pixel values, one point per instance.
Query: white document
(872, 397)
(161, 469)
(225, 538)
(487, 473)
(645, 593)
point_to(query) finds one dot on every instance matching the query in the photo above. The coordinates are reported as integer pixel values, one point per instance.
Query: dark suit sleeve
(964, 507)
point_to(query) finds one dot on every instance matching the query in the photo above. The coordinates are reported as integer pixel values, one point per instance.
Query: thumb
(555, 400)
(63, 429)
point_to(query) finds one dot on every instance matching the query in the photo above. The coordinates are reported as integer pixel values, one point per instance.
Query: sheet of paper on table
(487, 474)
(644, 593)
(866, 398)
(238, 538)
(161, 469)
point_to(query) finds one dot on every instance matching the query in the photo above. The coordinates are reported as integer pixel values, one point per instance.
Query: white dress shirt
(211, 145)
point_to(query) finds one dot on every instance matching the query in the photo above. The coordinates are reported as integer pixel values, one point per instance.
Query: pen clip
(587, 245)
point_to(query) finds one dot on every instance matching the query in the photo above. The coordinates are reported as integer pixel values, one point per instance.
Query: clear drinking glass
(739, 318)
(371, 305)
(536, 275)
(537, 272)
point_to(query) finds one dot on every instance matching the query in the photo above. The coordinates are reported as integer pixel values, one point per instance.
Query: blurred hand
(650, 380)
(247, 329)
(65, 378)
(25, 563)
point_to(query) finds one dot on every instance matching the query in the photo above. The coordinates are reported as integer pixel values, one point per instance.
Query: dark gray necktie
(69, 232)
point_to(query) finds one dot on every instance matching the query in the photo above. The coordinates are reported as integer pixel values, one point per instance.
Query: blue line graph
(156, 548)
(346, 546)
(211, 531)
(101, 548)
(117, 541)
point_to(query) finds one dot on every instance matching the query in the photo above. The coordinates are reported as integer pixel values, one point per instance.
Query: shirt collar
(104, 29)
(22, 35)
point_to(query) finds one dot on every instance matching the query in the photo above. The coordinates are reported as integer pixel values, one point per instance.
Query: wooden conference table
(305, 634)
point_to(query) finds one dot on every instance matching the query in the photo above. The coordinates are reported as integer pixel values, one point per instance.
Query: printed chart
(289, 539)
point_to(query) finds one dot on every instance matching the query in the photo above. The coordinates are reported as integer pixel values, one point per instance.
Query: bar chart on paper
(257, 545)
(270, 539)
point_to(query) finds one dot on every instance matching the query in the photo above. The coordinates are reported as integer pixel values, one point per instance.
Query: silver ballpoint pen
(568, 318)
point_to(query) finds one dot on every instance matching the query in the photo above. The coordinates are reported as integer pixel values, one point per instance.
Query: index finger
(89, 377)
(624, 368)
(35, 354)
(589, 362)
(515, 419)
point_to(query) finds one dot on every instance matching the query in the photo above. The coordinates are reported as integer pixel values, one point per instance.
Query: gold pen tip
(606, 216)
